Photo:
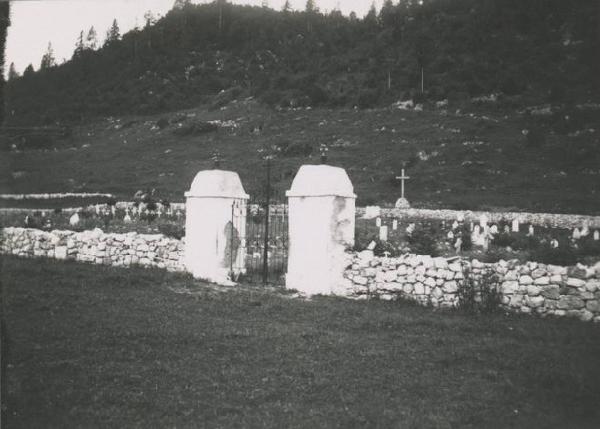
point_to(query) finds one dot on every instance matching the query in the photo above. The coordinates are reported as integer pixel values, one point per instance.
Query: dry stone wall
(524, 287)
(95, 246)
(539, 219)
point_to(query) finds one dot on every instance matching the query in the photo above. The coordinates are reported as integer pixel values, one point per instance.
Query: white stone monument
(378, 222)
(211, 241)
(321, 207)
(395, 224)
(383, 233)
(515, 225)
(596, 235)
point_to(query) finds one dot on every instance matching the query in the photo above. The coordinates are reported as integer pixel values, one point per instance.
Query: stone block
(509, 287)
(401, 270)
(455, 267)
(390, 276)
(407, 288)
(537, 273)
(556, 278)
(542, 281)
(419, 288)
(533, 290)
(593, 306)
(575, 282)
(551, 292)
(525, 280)
(535, 301)
(593, 285)
(570, 302)
(450, 287)
(430, 282)
(60, 252)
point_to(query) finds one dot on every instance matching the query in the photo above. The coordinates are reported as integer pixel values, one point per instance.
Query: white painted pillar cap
(321, 181)
(217, 184)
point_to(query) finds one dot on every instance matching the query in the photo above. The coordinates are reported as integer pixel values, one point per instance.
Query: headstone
(494, 229)
(371, 245)
(483, 220)
(113, 210)
(450, 235)
(515, 225)
(476, 230)
(134, 210)
(378, 222)
(454, 225)
(410, 228)
(596, 235)
(554, 243)
(74, 219)
(460, 217)
(585, 231)
(383, 233)
(458, 244)
(321, 228)
(576, 234)
(127, 218)
(506, 229)
(372, 212)
(531, 231)
(209, 230)
(471, 226)
(395, 224)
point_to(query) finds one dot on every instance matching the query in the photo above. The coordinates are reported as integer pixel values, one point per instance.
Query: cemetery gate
(262, 238)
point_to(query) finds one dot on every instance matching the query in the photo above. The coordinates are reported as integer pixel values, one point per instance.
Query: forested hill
(547, 49)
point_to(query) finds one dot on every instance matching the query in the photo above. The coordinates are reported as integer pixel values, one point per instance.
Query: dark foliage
(220, 52)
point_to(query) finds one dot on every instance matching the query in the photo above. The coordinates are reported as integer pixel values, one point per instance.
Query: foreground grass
(92, 346)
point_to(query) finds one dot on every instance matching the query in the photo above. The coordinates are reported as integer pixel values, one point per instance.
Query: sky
(35, 23)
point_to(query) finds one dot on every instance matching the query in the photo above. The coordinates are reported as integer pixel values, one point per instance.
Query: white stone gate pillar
(321, 209)
(212, 241)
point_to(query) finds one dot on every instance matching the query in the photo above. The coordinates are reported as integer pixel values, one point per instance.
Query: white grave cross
(402, 178)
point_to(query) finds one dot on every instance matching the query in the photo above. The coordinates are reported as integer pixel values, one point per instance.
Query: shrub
(423, 241)
(172, 230)
(479, 294)
(564, 256)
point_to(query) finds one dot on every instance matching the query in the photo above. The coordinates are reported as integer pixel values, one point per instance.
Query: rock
(360, 280)
(402, 204)
(430, 282)
(525, 280)
(408, 288)
(419, 288)
(511, 275)
(455, 267)
(535, 301)
(556, 278)
(60, 252)
(366, 255)
(401, 271)
(570, 302)
(538, 272)
(440, 263)
(533, 290)
(542, 281)
(577, 272)
(551, 292)
(509, 287)
(575, 282)
(593, 285)
(450, 287)
(586, 315)
(390, 276)
(593, 306)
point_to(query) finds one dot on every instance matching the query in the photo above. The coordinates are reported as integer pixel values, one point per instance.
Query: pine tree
(180, 4)
(286, 7)
(28, 71)
(79, 45)
(149, 18)
(113, 34)
(12, 72)
(265, 4)
(48, 59)
(311, 6)
(91, 41)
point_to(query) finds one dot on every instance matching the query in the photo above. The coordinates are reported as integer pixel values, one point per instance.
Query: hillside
(469, 156)
(454, 49)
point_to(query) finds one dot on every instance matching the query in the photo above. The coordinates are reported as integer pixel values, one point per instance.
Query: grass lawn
(92, 346)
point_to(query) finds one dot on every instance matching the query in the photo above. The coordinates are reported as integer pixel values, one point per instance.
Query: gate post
(321, 210)
(212, 237)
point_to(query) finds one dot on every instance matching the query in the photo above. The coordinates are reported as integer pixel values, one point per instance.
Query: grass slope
(91, 346)
(456, 160)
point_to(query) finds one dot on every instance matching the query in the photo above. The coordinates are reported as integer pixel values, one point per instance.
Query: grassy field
(91, 346)
(455, 159)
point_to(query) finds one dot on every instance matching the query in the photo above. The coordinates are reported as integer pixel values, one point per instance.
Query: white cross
(402, 178)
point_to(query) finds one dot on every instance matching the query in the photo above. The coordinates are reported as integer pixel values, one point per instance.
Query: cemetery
(542, 264)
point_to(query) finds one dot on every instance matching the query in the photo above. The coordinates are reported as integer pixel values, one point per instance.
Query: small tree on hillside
(48, 59)
(113, 34)
(12, 72)
(286, 7)
(28, 71)
(79, 45)
(91, 40)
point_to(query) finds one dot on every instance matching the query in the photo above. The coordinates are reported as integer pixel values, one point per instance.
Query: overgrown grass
(91, 346)
(454, 160)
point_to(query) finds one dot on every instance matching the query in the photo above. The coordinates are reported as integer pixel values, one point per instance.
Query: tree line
(419, 49)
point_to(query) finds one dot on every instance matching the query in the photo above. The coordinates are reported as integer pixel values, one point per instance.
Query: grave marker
(515, 225)
(378, 222)
(395, 224)
(383, 233)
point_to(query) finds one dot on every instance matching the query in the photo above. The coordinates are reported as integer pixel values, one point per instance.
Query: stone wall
(539, 219)
(524, 287)
(95, 246)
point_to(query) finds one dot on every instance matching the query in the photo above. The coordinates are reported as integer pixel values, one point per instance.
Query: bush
(423, 241)
(479, 295)
(564, 256)
(172, 230)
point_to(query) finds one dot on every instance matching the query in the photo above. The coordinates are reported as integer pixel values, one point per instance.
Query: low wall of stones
(539, 219)
(152, 250)
(524, 287)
